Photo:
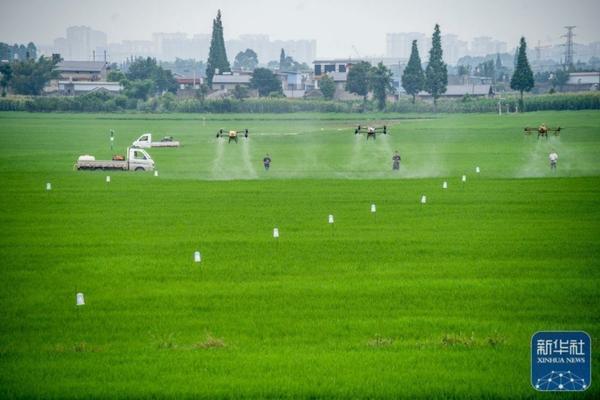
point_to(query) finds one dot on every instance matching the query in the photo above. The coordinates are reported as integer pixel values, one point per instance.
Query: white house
(583, 81)
(83, 70)
(72, 88)
(228, 82)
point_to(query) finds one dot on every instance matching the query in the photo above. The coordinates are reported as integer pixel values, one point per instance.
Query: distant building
(453, 49)
(74, 88)
(82, 43)
(83, 70)
(303, 50)
(187, 84)
(119, 52)
(485, 45)
(188, 81)
(583, 81)
(295, 84)
(337, 69)
(227, 82)
(399, 45)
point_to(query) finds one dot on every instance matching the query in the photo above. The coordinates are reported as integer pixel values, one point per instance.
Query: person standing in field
(396, 161)
(553, 157)
(267, 162)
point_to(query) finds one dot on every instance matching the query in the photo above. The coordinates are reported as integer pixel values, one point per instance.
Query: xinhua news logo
(561, 361)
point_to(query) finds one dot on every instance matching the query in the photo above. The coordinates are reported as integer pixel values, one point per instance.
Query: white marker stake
(464, 178)
(197, 257)
(330, 219)
(373, 208)
(423, 199)
(477, 170)
(108, 179)
(445, 185)
(80, 300)
(48, 186)
(275, 233)
(155, 173)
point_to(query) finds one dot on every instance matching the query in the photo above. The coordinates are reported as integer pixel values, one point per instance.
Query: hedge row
(100, 102)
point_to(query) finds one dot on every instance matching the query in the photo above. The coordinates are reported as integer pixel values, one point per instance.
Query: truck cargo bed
(165, 144)
(102, 164)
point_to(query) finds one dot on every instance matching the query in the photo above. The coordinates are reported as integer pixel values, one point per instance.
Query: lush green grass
(435, 300)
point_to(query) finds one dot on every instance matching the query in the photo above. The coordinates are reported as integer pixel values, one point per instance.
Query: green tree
(522, 79)
(287, 63)
(357, 81)
(138, 89)
(5, 76)
(464, 71)
(282, 60)
(148, 69)
(265, 81)
(217, 55)
(29, 77)
(413, 78)
(327, 86)
(436, 73)
(380, 81)
(240, 92)
(202, 91)
(115, 76)
(559, 79)
(31, 51)
(246, 60)
(486, 69)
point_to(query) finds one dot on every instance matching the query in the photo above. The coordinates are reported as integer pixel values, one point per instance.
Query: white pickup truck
(145, 141)
(137, 160)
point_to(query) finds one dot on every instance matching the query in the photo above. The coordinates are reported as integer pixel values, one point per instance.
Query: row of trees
(27, 76)
(434, 79)
(144, 78)
(18, 52)
(364, 78)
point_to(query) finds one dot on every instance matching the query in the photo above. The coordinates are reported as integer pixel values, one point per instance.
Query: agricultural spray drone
(543, 130)
(232, 135)
(370, 131)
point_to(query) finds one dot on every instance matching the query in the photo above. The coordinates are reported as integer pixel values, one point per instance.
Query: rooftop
(231, 79)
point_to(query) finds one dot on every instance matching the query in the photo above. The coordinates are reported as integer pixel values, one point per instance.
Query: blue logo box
(561, 361)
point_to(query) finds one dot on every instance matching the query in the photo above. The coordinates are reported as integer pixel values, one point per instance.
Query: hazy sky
(336, 25)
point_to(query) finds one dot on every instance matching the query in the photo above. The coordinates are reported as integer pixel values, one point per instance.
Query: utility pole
(569, 46)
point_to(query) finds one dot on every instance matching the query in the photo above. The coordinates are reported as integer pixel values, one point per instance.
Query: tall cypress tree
(217, 55)
(413, 77)
(522, 79)
(281, 60)
(436, 74)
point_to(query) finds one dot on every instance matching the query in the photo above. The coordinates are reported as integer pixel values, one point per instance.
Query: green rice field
(435, 300)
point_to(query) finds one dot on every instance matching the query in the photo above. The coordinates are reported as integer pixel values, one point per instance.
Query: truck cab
(140, 160)
(144, 141)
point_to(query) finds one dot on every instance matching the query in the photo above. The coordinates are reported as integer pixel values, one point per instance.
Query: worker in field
(396, 161)
(553, 157)
(267, 162)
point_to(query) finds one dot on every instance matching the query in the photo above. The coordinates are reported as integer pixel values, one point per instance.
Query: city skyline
(339, 28)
